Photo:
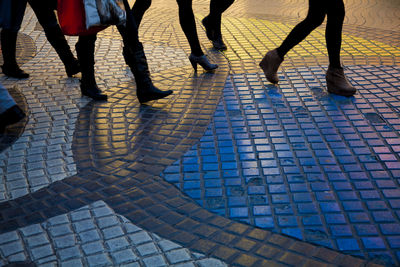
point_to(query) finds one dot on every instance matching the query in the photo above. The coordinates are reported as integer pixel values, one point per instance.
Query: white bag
(92, 15)
(104, 12)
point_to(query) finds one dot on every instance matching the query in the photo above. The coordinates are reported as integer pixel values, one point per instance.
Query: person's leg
(9, 35)
(85, 50)
(336, 80)
(135, 58)
(333, 33)
(315, 17)
(188, 24)
(272, 60)
(47, 18)
(139, 8)
(212, 22)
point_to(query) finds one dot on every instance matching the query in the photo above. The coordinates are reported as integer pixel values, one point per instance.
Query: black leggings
(217, 7)
(317, 10)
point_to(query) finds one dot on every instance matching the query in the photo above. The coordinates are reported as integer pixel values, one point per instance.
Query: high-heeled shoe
(202, 61)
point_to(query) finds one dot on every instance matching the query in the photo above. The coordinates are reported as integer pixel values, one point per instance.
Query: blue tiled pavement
(301, 162)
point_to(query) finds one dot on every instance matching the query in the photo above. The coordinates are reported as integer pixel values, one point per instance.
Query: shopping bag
(92, 15)
(72, 18)
(104, 12)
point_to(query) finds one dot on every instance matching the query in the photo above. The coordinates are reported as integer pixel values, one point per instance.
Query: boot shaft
(8, 47)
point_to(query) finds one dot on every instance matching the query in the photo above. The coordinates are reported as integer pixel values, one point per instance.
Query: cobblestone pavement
(229, 170)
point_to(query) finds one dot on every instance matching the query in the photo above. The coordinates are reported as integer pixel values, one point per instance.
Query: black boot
(85, 51)
(146, 91)
(8, 47)
(57, 39)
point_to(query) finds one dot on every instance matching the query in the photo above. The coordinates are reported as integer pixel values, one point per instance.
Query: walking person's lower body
(44, 11)
(188, 24)
(9, 35)
(337, 82)
(212, 22)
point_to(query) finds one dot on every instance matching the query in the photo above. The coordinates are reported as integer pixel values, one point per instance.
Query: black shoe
(213, 35)
(92, 91)
(202, 61)
(145, 94)
(14, 71)
(219, 44)
(11, 116)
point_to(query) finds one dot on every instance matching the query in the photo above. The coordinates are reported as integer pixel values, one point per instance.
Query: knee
(315, 20)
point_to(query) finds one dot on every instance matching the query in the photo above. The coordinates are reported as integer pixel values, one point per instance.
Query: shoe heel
(194, 63)
(202, 61)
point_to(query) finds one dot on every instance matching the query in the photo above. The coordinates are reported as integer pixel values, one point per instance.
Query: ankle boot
(214, 34)
(337, 83)
(85, 51)
(270, 65)
(202, 61)
(57, 39)
(8, 47)
(137, 62)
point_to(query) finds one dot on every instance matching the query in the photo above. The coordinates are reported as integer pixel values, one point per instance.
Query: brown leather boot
(270, 64)
(337, 83)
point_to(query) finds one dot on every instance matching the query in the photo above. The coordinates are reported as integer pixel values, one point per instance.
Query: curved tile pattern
(121, 147)
(297, 161)
(94, 236)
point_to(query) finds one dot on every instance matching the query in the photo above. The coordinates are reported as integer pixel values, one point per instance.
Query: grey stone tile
(37, 240)
(117, 244)
(41, 252)
(112, 232)
(68, 253)
(124, 256)
(140, 238)
(84, 225)
(89, 236)
(93, 247)
(8, 237)
(98, 260)
(155, 261)
(147, 249)
(178, 255)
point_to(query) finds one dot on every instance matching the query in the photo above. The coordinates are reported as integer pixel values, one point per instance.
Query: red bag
(71, 16)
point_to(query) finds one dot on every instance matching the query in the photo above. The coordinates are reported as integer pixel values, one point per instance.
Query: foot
(213, 34)
(219, 44)
(270, 65)
(337, 82)
(11, 116)
(72, 68)
(202, 61)
(151, 93)
(91, 90)
(14, 71)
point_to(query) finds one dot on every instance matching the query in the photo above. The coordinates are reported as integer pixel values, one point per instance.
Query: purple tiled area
(295, 160)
